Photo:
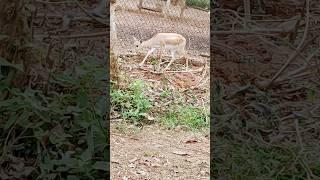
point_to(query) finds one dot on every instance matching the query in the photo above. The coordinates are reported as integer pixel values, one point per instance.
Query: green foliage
(131, 103)
(63, 130)
(205, 4)
(192, 117)
(312, 94)
(245, 160)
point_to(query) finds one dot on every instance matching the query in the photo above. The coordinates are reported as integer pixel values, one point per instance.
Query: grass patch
(125, 128)
(205, 4)
(132, 104)
(192, 117)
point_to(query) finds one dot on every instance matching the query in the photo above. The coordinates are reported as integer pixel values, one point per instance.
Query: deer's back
(169, 38)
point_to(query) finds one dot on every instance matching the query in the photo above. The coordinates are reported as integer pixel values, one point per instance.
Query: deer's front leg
(148, 54)
(182, 11)
(160, 59)
(165, 10)
(140, 5)
(173, 58)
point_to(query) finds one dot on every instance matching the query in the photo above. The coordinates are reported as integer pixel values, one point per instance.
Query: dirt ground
(157, 153)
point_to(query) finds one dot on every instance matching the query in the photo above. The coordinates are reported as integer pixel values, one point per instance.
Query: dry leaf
(155, 165)
(190, 141)
(132, 165)
(133, 160)
(181, 153)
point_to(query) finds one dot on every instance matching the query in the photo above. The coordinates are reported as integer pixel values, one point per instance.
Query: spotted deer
(172, 42)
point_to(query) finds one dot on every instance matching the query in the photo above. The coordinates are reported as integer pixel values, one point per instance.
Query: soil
(158, 153)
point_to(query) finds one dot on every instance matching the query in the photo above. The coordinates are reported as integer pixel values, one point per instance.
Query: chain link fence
(144, 18)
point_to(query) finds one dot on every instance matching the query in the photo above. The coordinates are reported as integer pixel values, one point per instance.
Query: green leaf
(9, 102)
(30, 7)
(72, 177)
(90, 141)
(43, 115)
(39, 133)
(23, 119)
(4, 62)
(11, 121)
(80, 71)
(47, 164)
(101, 106)
(63, 169)
(101, 165)
(51, 176)
(86, 155)
(85, 119)
(65, 80)
(67, 161)
(3, 37)
(82, 100)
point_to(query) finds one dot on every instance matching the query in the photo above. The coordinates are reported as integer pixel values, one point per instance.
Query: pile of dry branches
(266, 73)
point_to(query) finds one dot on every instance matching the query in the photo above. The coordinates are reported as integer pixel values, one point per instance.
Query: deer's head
(136, 43)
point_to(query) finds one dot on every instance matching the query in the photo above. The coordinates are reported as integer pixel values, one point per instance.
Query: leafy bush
(63, 131)
(131, 103)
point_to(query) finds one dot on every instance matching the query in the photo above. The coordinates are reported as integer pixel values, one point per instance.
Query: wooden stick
(295, 54)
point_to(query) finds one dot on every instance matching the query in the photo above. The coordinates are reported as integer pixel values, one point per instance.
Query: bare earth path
(158, 153)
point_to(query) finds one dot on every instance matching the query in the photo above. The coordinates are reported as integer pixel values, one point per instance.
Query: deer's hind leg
(183, 7)
(140, 5)
(160, 58)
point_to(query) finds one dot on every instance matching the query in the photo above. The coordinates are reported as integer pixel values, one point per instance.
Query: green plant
(62, 131)
(205, 4)
(164, 94)
(131, 103)
(192, 117)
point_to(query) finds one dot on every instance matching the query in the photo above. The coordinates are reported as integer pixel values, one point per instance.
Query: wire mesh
(153, 17)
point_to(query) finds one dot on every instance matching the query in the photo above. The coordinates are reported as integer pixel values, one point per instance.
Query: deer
(172, 42)
(181, 3)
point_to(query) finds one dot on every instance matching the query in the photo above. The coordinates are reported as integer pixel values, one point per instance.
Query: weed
(125, 128)
(199, 3)
(164, 94)
(191, 117)
(312, 94)
(131, 103)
